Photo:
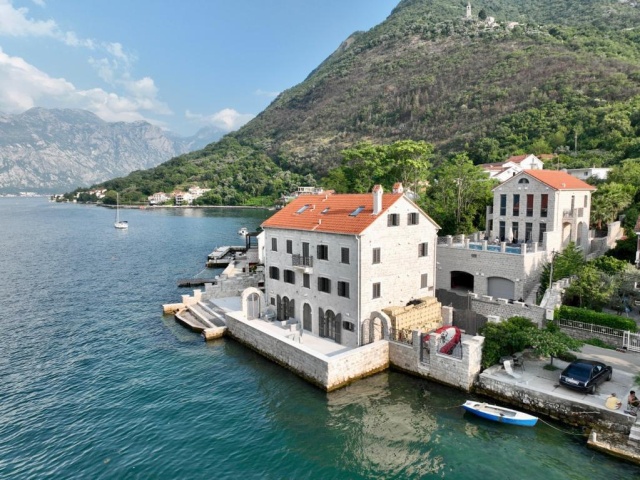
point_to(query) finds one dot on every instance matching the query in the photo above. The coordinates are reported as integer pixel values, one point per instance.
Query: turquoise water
(96, 383)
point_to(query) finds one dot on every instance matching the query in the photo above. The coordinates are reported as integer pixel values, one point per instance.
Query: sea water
(95, 383)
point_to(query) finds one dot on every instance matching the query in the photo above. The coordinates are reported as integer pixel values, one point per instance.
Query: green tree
(458, 195)
(550, 342)
(564, 264)
(364, 166)
(608, 201)
(482, 14)
(409, 162)
(591, 288)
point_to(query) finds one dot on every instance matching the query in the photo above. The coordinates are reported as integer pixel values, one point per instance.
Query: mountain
(53, 150)
(519, 75)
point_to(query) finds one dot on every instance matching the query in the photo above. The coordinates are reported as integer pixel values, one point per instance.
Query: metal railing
(590, 327)
(401, 335)
(298, 260)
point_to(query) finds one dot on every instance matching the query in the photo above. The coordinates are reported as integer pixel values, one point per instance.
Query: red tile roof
(559, 180)
(336, 208)
(517, 158)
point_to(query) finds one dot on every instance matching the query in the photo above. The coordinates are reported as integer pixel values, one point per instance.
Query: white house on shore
(534, 214)
(335, 261)
(503, 171)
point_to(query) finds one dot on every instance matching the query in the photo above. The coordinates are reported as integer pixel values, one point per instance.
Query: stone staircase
(634, 437)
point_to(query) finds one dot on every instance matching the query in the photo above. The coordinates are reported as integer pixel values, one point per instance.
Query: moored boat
(500, 414)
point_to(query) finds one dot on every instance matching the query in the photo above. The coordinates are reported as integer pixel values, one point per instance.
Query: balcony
(572, 214)
(302, 263)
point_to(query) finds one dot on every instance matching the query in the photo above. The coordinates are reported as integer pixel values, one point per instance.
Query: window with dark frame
(544, 204)
(393, 220)
(376, 290)
(424, 280)
(306, 280)
(323, 252)
(289, 246)
(344, 255)
(423, 249)
(343, 289)
(274, 244)
(516, 204)
(529, 205)
(376, 255)
(503, 204)
(324, 284)
(413, 218)
(350, 327)
(542, 228)
(274, 273)
(289, 276)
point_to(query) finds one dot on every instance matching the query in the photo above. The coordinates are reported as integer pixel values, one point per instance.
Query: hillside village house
(503, 171)
(335, 261)
(534, 214)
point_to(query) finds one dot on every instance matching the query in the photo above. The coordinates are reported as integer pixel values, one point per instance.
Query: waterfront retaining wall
(326, 372)
(558, 408)
(449, 370)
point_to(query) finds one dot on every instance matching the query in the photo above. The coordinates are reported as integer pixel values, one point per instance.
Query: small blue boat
(500, 414)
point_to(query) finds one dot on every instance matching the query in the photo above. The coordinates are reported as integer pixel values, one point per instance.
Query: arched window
(523, 180)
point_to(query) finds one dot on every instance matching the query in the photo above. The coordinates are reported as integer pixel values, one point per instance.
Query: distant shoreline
(144, 207)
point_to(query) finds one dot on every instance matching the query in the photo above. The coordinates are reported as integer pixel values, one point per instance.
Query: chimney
(377, 199)
(398, 188)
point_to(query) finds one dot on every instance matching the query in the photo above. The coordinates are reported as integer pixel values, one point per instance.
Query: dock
(223, 256)
(195, 282)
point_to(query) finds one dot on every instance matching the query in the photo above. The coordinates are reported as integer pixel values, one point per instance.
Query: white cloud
(40, 3)
(15, 23)
(264, 93)
(23, 86)
(227, 119)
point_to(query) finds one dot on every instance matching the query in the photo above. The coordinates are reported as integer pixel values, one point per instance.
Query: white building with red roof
(534, 213)
(503, 171)
(334, 261)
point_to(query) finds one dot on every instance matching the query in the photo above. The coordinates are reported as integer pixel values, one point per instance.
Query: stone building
(534, 214)
(503, 171)
(335, 261)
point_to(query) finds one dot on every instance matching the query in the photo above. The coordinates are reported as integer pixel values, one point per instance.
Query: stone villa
(336, 262)
(534, 214)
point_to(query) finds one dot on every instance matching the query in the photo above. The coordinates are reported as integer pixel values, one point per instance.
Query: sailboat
(121, 224)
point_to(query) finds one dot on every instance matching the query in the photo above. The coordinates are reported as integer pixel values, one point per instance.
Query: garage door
(501, 288)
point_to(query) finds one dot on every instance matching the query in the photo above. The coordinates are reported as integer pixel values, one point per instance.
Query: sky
(179, 64)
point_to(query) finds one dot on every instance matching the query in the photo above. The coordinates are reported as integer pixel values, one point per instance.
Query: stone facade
(456, 372)
(401, 272)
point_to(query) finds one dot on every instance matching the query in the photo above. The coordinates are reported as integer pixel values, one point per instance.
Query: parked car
(585, 375)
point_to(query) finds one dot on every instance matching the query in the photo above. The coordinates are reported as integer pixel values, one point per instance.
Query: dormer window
(303, 208)
(356, 212)
(523, 180)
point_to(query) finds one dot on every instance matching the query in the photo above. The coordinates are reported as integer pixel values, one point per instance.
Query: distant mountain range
(516, 76)
(56, 150)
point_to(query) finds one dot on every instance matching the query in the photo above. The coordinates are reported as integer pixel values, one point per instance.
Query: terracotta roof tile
(517, 158)
(336, 217)
(559, 180)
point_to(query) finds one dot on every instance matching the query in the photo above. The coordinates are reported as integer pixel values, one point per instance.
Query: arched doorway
(307, 321)
(330, 325)
(580, 233)
(461, 281)
(501, 287)
(253, 306)
(566, 234)
(287, 309)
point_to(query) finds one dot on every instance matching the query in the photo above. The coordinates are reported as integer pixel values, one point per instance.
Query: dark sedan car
(585, 375)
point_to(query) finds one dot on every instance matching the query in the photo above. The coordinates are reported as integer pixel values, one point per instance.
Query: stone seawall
(446, 369)
(564, 410)
(326, 372)
(587, 335)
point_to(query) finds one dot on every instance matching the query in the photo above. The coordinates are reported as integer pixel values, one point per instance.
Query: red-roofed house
(503, 171)
(336, 260)
(534, 213)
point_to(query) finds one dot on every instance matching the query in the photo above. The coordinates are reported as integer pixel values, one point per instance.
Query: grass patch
(551, 368)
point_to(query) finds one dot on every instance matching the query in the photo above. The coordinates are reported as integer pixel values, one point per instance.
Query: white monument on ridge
(468, 17)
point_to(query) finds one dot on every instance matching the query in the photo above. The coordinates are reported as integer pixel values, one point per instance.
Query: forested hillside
(519, 76)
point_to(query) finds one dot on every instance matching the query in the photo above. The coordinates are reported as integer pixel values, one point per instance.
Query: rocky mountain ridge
(54, 150)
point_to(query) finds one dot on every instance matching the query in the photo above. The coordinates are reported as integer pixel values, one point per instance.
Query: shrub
(596, 342)
(568, 356)
(589, 316)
